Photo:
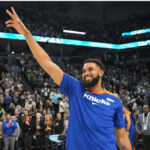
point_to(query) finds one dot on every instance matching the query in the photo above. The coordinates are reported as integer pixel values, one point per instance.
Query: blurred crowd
(52, 25)
(44, 110)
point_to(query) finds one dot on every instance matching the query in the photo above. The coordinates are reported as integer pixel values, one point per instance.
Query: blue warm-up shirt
(93, 117)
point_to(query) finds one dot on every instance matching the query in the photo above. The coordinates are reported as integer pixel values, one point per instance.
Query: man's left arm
(122, 139)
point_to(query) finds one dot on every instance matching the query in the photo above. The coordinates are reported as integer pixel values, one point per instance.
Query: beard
(88, 84)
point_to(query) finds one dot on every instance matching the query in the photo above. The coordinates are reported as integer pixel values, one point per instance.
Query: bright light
(12, 52)
(22, 53)
(75, 32)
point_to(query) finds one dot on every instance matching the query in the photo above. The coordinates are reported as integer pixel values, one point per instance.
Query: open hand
(15, 22)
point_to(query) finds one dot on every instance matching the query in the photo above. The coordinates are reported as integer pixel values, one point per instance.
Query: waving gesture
(15, 22)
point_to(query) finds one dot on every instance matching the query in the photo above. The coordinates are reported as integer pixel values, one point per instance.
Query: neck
(38, 119)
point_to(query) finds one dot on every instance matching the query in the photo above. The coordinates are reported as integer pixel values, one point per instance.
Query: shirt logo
(97, 101)
(108, 99)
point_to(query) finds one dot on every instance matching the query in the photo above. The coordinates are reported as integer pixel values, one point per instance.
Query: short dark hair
(59, 99)
(8, 114)
(96, 61)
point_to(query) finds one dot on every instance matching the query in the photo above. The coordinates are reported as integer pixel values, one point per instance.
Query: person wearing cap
(143, 126)
(45, 91)
(28, 105)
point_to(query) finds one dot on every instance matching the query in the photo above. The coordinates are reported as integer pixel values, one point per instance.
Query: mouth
(87, 78)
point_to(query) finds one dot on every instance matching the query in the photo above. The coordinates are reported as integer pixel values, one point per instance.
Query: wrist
(26, 33)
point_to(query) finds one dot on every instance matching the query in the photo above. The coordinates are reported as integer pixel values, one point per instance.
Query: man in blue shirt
(94, 112)
(7, 100)
(8, 127)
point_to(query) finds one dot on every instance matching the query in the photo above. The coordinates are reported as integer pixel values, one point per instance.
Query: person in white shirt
(66, 106)
(28, 105)
(45, 91)
(51, 96)
(61, 107)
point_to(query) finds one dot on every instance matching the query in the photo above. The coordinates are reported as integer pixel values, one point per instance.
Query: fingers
(9, 21)
(14, 12)
(9, 25)
(10, 14)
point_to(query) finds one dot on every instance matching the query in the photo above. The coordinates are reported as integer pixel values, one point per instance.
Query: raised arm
(40, 55)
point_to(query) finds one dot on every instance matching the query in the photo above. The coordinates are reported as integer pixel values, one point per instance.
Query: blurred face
(41, 107)
(35, 92)
(8, 117)
(7, 95)
(16, 94)
(26, 113)
(16, 112)
(57, 91)
(27, 118)
(48, 111)
(91, 74)
(23, 109)
(145, 109)
(44, 112)
(135, 108)
(38, 116)
(58, 116)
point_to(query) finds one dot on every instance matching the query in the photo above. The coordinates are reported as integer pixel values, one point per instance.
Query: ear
(101, 72)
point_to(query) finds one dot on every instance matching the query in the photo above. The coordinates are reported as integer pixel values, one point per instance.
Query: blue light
(136, 32)
(76, 42)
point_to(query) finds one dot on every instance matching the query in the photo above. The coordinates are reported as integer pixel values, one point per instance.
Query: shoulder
(111, 94)
(127, 113)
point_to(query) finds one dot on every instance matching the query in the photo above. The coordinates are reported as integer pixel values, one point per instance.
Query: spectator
(9, 126)
(44, 114)
(143, 126)
(135, 114)
(66, 122)
(28, 105)
(41, 109)
(38, 132)
(59, 125)
(61, 108)
(145, 101)
(27, 131)
(41, 102)
(11, 109)
(7, 100)
(45, 91)
(18, 107)
(56, 105)
(16, 99)
(17, 134)
(16, 115)
(47, 133)
(23, 96)
(140, 104)
(49, 105)
(35, 97)
(51, 96)
(60, 128)
(22, 112)
(2, 111)
(66, 106)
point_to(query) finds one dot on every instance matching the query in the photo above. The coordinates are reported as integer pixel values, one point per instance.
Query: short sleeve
(69, 85)
(118, 117)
